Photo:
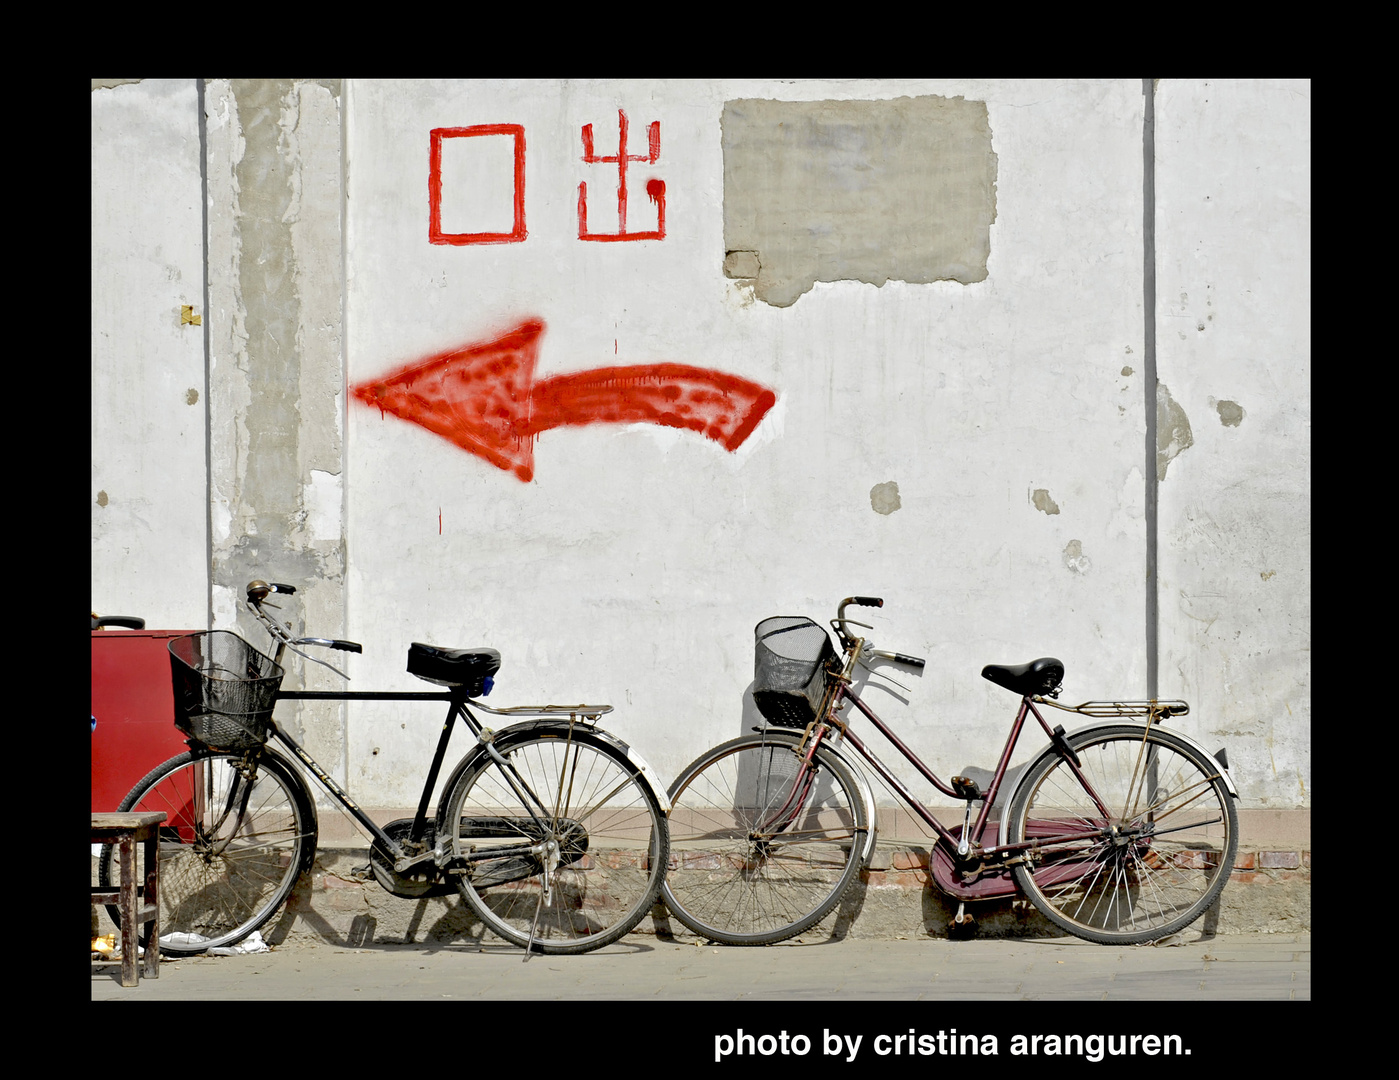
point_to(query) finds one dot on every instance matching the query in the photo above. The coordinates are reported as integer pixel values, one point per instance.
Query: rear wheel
(1153, 835)
(762, 846)
(237, 835)
(565, 846)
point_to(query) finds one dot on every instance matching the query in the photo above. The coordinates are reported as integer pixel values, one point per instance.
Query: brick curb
(1269, 892)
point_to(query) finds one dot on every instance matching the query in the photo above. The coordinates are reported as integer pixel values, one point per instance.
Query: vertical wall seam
(208, 330)
(1149, 381)
(344, 103)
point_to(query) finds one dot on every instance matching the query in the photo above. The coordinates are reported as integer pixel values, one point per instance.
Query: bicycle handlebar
(126, 622)
(259, 591)
(331, 643)
(899, 658)
(876, 602)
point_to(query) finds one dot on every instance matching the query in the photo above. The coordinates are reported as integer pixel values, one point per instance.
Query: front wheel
(564, 845)
(238, 833)
(1134, 851)
(764, 846)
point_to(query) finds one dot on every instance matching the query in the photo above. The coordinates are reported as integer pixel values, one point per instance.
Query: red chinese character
(655, 189)
(434, 185)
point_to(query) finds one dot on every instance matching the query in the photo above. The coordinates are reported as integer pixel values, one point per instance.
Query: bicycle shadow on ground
(432, 923)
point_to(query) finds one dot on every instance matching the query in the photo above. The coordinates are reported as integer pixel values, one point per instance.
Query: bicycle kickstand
(546, 897)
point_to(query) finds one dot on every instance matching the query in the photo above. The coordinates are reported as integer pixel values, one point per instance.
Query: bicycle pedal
(362, 873)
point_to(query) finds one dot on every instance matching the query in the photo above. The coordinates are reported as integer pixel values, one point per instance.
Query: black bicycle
(553, 830)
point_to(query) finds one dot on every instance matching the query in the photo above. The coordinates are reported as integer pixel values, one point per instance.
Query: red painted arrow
(483, 398)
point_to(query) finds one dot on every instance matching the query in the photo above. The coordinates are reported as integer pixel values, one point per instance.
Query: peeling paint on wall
(867, 191)
(1075, 559)
(1231, 413)
(1172, 430)
(276, 374)
(884, 498)
(1043, 502)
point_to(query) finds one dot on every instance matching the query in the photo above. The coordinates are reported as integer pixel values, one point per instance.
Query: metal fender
(1049, 752)
(866, 793)
(641, 765)
(560, 728)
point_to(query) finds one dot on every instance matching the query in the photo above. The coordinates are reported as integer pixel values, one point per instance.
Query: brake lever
(861, 661)
(317, 660)
(283, 634)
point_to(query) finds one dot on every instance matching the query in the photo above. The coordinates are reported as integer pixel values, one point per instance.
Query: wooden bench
(126, 831)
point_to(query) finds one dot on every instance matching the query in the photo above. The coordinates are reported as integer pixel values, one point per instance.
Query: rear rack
(587, 712)
(1122, 708)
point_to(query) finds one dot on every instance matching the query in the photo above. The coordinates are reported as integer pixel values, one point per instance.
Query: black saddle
(468, 668)
(1041, 676)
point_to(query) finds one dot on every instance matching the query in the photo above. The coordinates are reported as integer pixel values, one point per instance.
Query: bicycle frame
(968, 843)
(843, 693)
(457, 699)
(457, 709)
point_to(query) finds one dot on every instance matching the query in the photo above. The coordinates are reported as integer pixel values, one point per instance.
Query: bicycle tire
(221, 877)
(1175, 834)
(598, 807)
(740, 876)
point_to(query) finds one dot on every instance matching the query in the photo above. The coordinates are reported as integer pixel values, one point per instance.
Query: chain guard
(420, 880)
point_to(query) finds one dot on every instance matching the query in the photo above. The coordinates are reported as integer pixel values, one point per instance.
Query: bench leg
(130, 929)
(152, 845)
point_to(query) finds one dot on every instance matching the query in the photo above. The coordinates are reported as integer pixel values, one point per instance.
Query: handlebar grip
(347, 646)
(900, 658)
(258, 590)
(126, 622)
(866, 601)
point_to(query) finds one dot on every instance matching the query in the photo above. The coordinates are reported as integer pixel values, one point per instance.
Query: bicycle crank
(422, 879)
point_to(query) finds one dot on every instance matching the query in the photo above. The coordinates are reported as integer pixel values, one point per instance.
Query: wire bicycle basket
(224, 689)
(791, 657)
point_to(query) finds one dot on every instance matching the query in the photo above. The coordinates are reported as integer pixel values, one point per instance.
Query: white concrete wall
(1011, 413)
(632, 568)
(150, 507)
(1234, 332)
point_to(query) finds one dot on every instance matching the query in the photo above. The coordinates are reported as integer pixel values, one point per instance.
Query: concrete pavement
(1236, 967)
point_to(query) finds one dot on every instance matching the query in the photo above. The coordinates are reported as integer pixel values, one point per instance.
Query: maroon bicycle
(1120, 833)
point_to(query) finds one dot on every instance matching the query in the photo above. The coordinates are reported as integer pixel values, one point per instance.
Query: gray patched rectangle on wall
(869, 191)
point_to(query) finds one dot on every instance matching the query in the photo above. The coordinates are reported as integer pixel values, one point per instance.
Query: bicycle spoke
(1152, 871)
(764, 847)
(593, 815)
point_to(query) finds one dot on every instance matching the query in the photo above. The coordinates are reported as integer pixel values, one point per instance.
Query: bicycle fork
(235, 808)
